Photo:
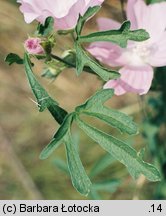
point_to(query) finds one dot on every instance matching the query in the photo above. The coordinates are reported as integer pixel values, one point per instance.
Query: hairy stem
(72, 65)
(63, 61)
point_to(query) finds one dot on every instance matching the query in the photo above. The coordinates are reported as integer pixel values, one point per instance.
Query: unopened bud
(33, 46)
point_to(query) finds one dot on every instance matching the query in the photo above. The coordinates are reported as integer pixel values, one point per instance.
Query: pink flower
(64, 12)
(139, 58)
(32, 46)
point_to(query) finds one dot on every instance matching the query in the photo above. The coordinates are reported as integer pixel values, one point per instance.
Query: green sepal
(47, 28)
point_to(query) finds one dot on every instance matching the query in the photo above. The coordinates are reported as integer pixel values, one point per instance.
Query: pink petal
(91, 3)
(32, 46)
(107, 53)
(105, 24)
(133, 79)
(57, 7)
(29, 14)
(70, 20)
(116, 85)
(65, 12)
(158, 54)
(151, 17)
(130, 13)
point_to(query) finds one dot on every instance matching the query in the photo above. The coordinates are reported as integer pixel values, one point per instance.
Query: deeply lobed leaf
(82, 19)
(122, 152)
(120, 36)
(58, 138)
(94, 107)
(84, 59)
(79, 178)
(43, 99)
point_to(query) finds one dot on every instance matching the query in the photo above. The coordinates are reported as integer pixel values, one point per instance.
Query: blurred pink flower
(32, 46)
(139, 58)
(64, 12)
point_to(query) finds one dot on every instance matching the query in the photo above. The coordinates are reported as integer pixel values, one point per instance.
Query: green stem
(63, 61)
(86, 69)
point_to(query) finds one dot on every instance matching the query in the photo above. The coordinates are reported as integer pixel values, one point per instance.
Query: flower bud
(33, 46)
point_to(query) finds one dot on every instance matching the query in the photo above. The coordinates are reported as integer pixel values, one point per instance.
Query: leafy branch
(118, 149)
(43, 99)
(119, 37)
(93, 107)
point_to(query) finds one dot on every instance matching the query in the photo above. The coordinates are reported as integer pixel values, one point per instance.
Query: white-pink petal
(133, 79)
(158, 54)
(65, 12)
(80, 7)
(138, 58)
(105, 24)
(151, 17)
(33, 46)
(131, 13)
(106, 52)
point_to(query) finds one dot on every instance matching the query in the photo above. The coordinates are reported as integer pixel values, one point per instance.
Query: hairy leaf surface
(43, 99)
(122, 152)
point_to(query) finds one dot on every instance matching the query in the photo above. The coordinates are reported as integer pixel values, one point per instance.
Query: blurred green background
(24, 131)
